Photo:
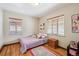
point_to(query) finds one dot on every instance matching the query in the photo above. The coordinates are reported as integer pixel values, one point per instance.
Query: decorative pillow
(39, 36)
(34, 36)
(44, 36)
(73, 44)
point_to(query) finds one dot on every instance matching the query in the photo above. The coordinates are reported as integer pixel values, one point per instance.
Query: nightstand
(53, 43)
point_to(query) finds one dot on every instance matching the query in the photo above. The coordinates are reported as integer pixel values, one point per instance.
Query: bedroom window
(15, 26)
(54, 25)
(61, 26)
(57, 26)
(49, 27)
(49, 31)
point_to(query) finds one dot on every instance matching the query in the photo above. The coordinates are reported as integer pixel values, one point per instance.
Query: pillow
(38, 36)
(73, 44)
(34, 36)
(44, 36)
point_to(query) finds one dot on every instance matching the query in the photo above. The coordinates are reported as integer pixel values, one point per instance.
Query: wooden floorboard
(8, 51)
(14, 50)
(17, 50)
(3, 51)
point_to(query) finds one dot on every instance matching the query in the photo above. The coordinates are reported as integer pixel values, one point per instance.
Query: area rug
(41, 51)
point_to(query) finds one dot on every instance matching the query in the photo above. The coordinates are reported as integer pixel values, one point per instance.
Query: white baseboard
(1, 44)
(10, 42)
(1, 47)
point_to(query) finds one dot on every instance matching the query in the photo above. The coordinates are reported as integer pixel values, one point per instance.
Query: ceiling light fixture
(35, 4)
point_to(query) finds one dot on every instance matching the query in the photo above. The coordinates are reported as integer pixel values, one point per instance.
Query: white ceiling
(31, 10)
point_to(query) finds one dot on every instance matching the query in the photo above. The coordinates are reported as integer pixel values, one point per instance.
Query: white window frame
(59, 19)
(49, 28)
(15, 26)
(60, 24)
(54, 25)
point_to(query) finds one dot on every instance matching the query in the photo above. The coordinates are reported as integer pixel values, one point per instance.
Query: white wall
(1, 28)
(30, 26)
(68, 11)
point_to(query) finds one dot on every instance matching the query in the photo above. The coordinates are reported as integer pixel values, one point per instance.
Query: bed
(30, 42)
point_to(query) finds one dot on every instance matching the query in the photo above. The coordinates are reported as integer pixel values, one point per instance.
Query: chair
(73, 49)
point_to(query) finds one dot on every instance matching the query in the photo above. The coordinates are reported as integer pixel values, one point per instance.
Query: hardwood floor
(14, 50)
(59, 51)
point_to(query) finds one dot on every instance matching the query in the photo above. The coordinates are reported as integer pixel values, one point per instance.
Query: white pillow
(44, 36)
(41, 35)
(34, 36)
(38, 35)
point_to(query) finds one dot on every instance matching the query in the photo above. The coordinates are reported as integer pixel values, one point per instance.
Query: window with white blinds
(61, 26)
(49, 27)
(57, 26)
(15, 26)
(49, 31)
(54, 25)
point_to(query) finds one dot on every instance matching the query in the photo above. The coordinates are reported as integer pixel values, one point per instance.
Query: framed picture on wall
(42, 26)
(75, 23)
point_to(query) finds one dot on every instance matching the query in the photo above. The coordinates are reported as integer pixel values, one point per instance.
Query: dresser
(53, 43)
